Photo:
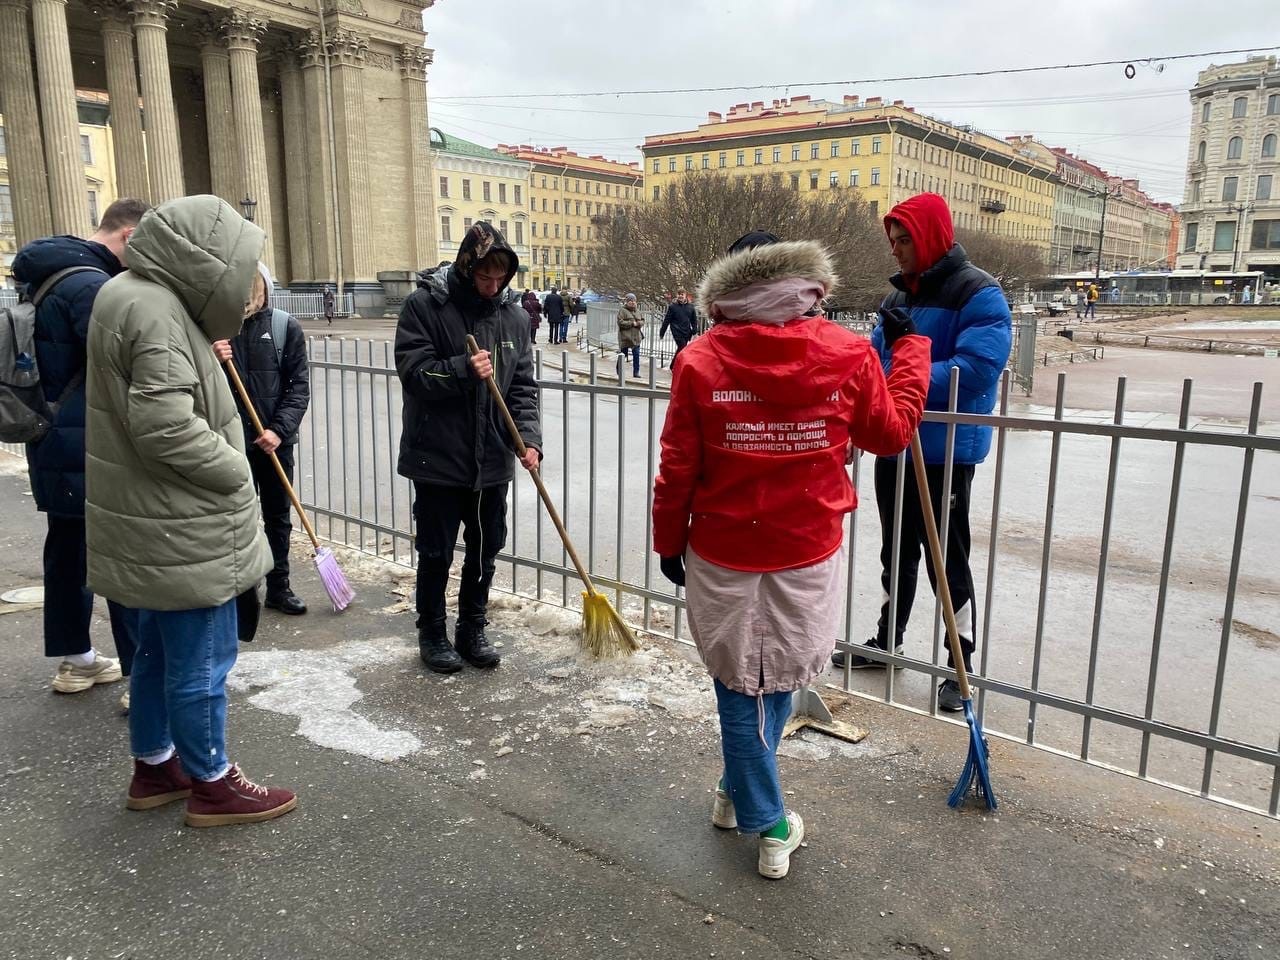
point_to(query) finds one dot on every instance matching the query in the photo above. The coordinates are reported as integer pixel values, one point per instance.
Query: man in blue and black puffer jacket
(963, 310)
(56, 462)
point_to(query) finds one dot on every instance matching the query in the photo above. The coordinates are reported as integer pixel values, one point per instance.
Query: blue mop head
(975, 773)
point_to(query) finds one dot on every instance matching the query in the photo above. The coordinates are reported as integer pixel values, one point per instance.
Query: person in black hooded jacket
(454, 445)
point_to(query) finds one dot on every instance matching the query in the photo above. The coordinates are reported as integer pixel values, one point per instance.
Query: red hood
(927, 218)
(794, 364)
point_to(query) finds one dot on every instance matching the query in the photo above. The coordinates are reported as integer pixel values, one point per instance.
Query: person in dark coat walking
(534, 309)
(270, 352)
(554, 309)
(964, 313)
(681, 320)
(56, 462)
(454, 445)
(329, 304)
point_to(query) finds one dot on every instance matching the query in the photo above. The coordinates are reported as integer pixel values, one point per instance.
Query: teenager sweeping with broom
(751, 494)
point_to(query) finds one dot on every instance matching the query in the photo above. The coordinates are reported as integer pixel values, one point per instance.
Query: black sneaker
(864, 663)
(949, 697)
(436, 651)
(474, 647)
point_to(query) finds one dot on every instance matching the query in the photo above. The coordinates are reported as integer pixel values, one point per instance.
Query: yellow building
(476, 183)
(886, 150)
(569, 196)
(97, 155)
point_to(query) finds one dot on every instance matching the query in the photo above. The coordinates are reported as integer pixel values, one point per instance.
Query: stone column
(319, 160)
(347, 51)
(164, 154)
(28, 185)
(243, 34)
(295, 165)
(68, 199)
(224, 154)
(122, 87)
(413, 81)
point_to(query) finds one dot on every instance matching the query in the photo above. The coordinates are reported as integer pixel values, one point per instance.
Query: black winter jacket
(553, 307)
(280, 392)
(56, 463)
(452, 434)
(681, 320)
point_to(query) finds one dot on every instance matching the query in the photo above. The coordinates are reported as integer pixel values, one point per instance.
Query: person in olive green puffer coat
(173, 527)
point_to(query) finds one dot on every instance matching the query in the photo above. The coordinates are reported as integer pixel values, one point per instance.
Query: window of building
(1204, 112)
(1195, 191)
(502, 227)
(1269, 146)
(1201, 151)
(1193, 234)
(706, 162)
(485, 190)
(444, 187)
(1224, 235)
(466, 224)
(671, 168)
(1273, 104)
(657, 193)
(758, 157)
(555, 206)
(519, 233)
(557, 231)
(557, 256)
(814, 149)
(795, 153)
(1239, 107)
(777, 154)
(446, 233)
(795, 181)
(1266, 235)
(813, 181)
(502, 193)
(1263, 190)
(577, 232)
(93, 209)
(853, 178)
(6, 205)
(544, 204)
(897, 176)
(466, 190)
(4, 150)
(723, 160)
(555, 183)
(657, 166)
(1229, 185)
(875, 144)
(533, 228)
(875, 176)
(1235, 146)
(688, 164)
(545, 256)
(854, 148)
(835, 148)
(86, 150)
(740, 158)
(544, 183)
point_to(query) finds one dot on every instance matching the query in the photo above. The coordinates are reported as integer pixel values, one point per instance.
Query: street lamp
(1239, 209)
(249, 207)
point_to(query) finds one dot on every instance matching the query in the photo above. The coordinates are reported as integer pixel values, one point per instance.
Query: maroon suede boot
(236, 799)
(154, 785)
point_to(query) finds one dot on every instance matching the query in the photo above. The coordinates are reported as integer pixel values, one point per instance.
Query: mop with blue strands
(976, 773)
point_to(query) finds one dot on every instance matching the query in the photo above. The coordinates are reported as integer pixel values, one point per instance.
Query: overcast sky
(1135, 128)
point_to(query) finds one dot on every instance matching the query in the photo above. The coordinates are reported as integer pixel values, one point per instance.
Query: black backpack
(25, 415)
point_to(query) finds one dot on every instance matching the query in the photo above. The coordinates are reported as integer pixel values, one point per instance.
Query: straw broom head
(604, 633)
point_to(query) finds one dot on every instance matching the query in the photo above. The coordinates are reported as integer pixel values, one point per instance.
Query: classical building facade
(1231, 206)
(290, 105)
(98, 173)
(569, 196)
(886, 150)
(476, 183)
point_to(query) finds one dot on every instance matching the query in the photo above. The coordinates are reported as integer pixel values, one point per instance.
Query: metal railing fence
(311, 303)
(1129, 604)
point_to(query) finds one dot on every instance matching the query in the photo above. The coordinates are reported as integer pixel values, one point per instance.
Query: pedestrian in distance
(963, 312)
(71, 272)
(553, 307)
(1082, 302)
(172, 518)
(681, 320)
(270, 353)
(455, 446)
(1091, 304)
(630, 334)
(330, 304)
(534, 309)
(752, 491)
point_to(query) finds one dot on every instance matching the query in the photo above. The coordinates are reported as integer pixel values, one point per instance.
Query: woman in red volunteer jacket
(749, 503)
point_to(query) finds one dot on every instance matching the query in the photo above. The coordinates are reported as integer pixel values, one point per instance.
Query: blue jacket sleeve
(983, 340)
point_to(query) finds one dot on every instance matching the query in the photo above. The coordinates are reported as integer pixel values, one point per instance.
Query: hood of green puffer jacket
(203, 251)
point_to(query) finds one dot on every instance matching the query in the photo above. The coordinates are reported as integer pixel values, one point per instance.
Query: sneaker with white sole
(775, 855)
(73, 679)
(722, 813)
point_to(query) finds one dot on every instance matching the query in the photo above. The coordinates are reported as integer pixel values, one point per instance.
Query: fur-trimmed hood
(756, 269)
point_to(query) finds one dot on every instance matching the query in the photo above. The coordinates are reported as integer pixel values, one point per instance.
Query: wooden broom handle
(473, 348)
(230, 364)
(935, 550)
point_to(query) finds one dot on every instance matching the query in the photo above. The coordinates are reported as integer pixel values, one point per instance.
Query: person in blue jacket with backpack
(964, 312)
(270, 353)
(62, 277)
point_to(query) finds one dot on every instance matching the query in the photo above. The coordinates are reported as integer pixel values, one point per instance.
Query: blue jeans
(564, 330)
(177, 692)
(635, 359)
(751, 767)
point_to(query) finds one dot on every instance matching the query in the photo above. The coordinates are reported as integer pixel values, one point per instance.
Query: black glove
(673, 569)
(896, 323)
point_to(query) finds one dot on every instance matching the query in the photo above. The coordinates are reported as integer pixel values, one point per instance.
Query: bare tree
(1012, 262)
(654, 248)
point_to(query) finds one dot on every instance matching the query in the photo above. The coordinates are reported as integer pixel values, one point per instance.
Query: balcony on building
(992, 205)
